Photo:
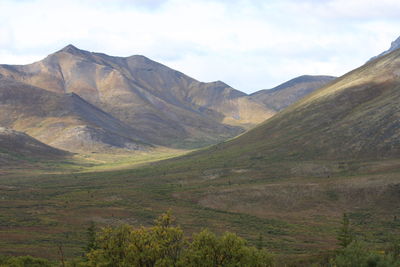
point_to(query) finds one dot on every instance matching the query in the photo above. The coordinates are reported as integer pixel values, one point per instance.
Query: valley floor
(296, 207)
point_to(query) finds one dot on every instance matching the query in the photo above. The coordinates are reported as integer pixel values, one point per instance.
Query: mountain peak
(70, 48)
(73, 50)
(393, 46)
(143, 59)
(220, 83)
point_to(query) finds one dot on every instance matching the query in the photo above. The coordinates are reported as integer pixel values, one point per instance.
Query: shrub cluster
(164, 245)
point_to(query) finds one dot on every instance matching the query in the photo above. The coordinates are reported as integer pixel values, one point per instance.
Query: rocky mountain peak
(393, 46)
(70, 48)
(73, 50)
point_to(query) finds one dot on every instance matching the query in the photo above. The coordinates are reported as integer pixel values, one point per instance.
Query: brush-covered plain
(296, 206)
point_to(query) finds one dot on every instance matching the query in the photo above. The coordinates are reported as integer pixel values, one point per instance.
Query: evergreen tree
(345, 235)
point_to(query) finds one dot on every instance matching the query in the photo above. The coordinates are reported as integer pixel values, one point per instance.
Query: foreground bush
(164, 245)
(24, 261)
(357, 255)
(207, 249)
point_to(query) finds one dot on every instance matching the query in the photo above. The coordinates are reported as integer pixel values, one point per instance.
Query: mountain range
(83, 101)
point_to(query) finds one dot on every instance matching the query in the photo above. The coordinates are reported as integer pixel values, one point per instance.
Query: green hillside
(355, 117)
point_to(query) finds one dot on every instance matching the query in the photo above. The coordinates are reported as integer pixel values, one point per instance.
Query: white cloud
(249, 44)
(360, 9)
(17, 59)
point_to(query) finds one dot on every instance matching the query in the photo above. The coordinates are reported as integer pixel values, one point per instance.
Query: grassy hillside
(355, 117)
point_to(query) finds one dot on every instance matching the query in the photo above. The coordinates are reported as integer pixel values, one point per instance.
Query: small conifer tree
(345, 235)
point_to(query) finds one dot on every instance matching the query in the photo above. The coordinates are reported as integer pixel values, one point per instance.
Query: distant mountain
(357, 116)
(134, 101)
(291, 91)
(65, 121)
(394, 45)
(164, 105)
(16, 146)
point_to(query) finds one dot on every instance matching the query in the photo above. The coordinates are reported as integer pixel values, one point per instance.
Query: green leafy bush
(164, 245)
(24, 261)
(357, 255)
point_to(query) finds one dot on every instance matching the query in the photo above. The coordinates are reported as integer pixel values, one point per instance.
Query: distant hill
(65, 121)
(16, 146)
(282, 96)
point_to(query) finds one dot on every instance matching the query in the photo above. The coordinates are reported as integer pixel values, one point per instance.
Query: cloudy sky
(249, 44)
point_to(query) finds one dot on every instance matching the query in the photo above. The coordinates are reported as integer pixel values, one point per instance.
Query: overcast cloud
(250, 45)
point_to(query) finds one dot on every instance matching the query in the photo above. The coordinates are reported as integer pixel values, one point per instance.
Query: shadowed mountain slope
(291, 91)
(64, 121)
(16, 146)
(166, 106)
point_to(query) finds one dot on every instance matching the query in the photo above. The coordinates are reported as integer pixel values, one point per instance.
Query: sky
(248, 44)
